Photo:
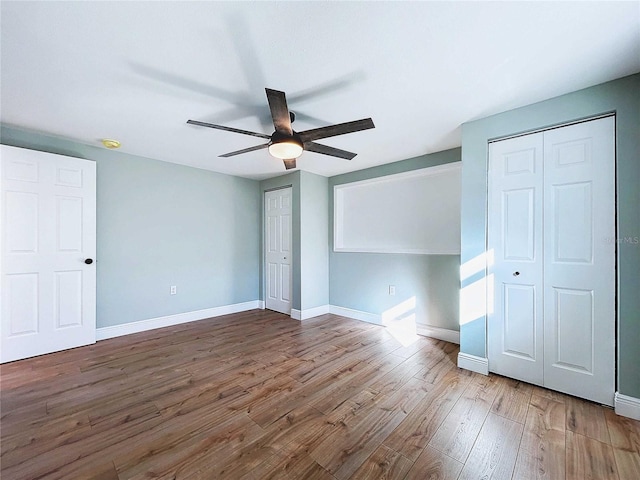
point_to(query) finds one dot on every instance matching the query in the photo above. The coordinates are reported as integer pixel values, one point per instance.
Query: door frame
(616, 286)
(263, 250)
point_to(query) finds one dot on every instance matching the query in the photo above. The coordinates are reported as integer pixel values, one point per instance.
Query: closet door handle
(515, 274)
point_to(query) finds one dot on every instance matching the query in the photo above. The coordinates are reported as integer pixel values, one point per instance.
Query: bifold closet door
(515, 324)
(551, 273)
(579, 260)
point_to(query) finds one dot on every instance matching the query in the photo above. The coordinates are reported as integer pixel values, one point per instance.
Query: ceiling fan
(287, 144)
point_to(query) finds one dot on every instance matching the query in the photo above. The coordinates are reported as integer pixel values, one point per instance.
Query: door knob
(89, 261)
(515, 274)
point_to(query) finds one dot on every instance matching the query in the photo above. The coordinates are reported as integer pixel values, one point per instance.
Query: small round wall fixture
(110, 143)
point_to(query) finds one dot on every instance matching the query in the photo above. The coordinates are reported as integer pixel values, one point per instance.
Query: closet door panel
(579, 265)
(515, 221)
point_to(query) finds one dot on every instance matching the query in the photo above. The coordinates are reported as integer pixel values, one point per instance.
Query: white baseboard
(103, 333)
(627, 406)
(356, 314)
(309, 312)
(445, 334)
(473, 363)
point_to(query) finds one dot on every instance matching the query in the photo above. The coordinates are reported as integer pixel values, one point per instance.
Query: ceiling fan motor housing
(279, 137)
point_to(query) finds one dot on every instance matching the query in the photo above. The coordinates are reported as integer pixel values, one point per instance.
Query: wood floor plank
(186, 448)
(628, 464)
(542, 449)
(383, 463)
(512, 401)
(344, 451)
(459, 430)
(624, 432)
(416, 430)
(258, 395)
(300, 429)
(290, 464)
(350, 384)
(438, 362)
(587, 418)
(94, 471)
(421, 343)
(295, 432)
(433, 464)
(69, 460)
(589, 459)
(37, 442)
(553, 395)
(352, 411)
(18, 419)
(494, 453)
(395, 378)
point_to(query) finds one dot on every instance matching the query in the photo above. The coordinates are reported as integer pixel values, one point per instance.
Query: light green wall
(314, 258)
(360, 281)
(620, 96)
(161, 224)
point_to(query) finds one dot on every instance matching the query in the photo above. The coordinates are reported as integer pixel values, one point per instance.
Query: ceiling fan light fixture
(286, 148)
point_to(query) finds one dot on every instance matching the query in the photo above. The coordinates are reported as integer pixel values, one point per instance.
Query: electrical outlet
(174, 289)
(392, 289)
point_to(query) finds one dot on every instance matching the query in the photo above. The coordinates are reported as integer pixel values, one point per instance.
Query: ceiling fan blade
(289, 163)
(326, 88)
(338, 129)
(279, 111)
(229, 129)
(245, 150)
(326, 150)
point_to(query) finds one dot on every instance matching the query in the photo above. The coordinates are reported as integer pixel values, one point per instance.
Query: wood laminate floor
(257, 395)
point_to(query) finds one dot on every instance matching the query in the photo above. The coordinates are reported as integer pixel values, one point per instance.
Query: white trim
(309, 312)
(356, 314)
(419, 172)
(627, 406)
(445, 334)
(405, 251)
(338, 214)
(315, 312)
(473, 363)
(261, 304)
(553, 127)
(103, 333)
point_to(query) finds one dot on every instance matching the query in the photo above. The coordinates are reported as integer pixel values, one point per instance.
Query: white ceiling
(136, 71)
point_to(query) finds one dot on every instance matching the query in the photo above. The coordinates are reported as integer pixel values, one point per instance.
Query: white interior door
(579, 267)
(278, 249)
(551, 230)
(48, 295)
(515, 340)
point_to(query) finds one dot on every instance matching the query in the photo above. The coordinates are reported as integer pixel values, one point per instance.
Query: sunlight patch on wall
(476, 264)
(476, 299)
(400, 321)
